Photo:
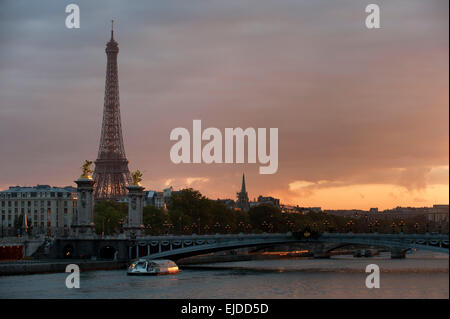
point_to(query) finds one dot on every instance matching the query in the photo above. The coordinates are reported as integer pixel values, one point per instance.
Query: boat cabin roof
(159, 262)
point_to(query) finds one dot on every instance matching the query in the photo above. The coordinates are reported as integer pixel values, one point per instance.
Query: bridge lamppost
(149, 229)
(401, 224)
(228, 228)
(193, 227)
(376, 224)
(241, 226)
(206, 228)
(350, 224)
(217, 227)
(416, 227)
(326, 223)
(121, 222)
(166, 227)
(248, 227)
(264, 226)
(103, 225)
(393, 225)
(290, 225)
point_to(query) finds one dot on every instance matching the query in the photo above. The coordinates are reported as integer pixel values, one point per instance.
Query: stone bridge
(177, 247)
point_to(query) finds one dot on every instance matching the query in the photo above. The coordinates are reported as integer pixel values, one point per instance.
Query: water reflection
(421, 276)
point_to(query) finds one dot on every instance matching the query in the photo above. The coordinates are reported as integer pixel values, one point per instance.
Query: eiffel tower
(111, 172)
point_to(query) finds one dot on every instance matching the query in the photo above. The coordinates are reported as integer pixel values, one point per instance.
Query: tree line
(189, 212)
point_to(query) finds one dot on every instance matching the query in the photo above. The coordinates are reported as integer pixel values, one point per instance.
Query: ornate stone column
(134, 227)
(84, 220)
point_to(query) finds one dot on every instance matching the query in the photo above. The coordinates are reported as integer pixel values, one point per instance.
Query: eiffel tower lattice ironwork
(111, 173)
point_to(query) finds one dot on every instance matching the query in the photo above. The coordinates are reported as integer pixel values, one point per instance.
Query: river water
(420, 275)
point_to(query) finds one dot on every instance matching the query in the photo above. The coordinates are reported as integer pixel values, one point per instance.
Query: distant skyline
(362, 114)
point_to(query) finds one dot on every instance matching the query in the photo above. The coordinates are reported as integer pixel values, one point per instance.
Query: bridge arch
(332, 247)
(107, 252)
(397, 244)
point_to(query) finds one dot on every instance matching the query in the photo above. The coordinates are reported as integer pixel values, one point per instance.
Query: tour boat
(152, 267)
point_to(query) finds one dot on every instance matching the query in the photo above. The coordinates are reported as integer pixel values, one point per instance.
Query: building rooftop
(39, 188)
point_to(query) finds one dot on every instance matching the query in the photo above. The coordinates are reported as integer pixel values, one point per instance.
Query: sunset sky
(362, 114)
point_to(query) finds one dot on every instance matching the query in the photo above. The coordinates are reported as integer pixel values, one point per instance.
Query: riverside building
(48, 210)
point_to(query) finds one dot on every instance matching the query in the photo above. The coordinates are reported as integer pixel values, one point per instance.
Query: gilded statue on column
(136, 177)
(86, 169)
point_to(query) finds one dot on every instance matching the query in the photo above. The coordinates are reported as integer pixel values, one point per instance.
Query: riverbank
(29, 267)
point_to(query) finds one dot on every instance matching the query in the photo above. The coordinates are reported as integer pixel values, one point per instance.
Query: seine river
(420, 275)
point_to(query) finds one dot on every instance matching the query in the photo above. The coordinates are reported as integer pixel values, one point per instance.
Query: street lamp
(326, 223)
(103, 226)
(290, 225)
(393, 225)
(121, 222)
(377, 224)
(193, 226)
(401, 224)
(166, 226)
(350, 223)
(264, 225)
(217, 226)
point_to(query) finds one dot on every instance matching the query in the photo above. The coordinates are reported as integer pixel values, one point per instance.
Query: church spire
(242, 197)
(243, 184)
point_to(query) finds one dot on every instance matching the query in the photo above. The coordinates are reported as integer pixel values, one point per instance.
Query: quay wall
(28, 268)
